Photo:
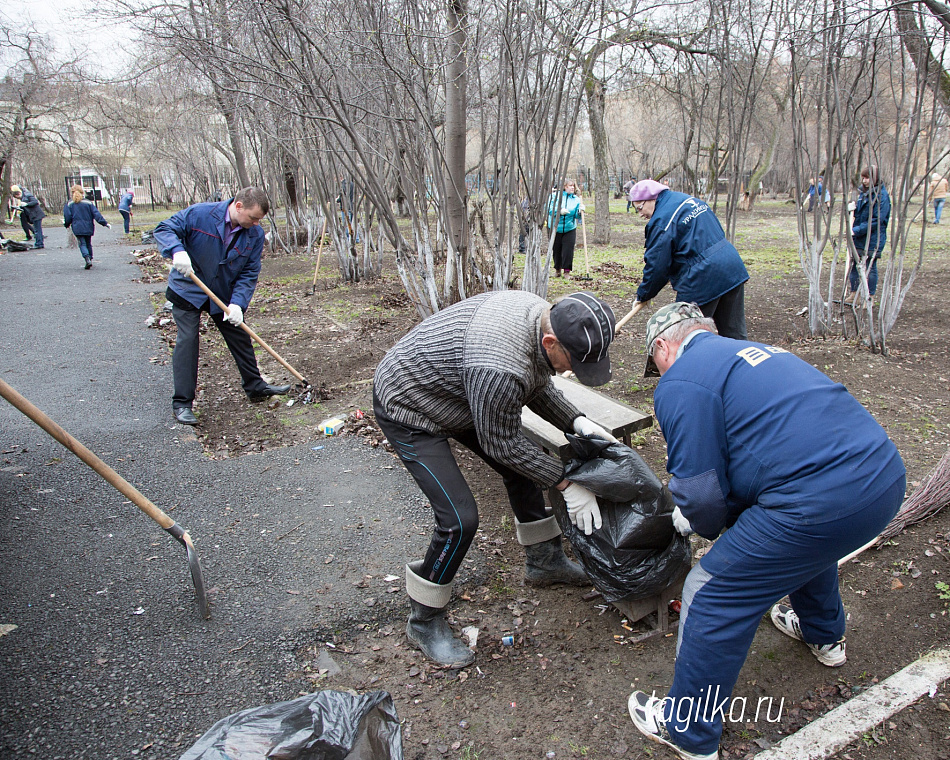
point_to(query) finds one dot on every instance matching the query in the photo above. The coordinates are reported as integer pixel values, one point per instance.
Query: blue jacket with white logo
(746, 423)
(685, 246)
(199, 230)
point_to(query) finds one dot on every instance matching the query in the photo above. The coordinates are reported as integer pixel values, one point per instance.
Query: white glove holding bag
(584, 426)
(182, 262)
(582, 508)
(235, 315)
(680, 523)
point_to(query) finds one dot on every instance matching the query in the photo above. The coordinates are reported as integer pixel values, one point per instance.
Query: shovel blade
(194, 565)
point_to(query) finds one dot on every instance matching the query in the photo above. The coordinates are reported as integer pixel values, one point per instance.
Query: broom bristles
(925, 502)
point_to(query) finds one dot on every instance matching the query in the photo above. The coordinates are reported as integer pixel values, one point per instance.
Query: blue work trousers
(871, 266)
(765, 556)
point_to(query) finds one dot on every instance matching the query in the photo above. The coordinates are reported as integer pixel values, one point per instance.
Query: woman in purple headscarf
(686, 246)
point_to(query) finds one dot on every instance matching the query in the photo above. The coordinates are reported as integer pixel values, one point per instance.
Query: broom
(925, 502)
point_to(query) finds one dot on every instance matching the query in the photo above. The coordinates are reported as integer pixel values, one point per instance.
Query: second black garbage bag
(325, 725)
(637, 552)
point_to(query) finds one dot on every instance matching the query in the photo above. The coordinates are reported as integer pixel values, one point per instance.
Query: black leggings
(430, 461)
(564, 250)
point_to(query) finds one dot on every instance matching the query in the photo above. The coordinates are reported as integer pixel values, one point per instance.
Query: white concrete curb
(838, 728)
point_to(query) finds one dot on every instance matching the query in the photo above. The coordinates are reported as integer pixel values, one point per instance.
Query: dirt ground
(562, 687)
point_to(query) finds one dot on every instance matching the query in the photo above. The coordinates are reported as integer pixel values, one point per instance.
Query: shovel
(119, 483)
(630, 315)
(584, 237)
(323, 233)
(248, 330)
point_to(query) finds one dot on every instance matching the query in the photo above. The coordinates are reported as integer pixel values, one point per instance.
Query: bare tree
(857, 102)
(200, 35)
(38, 92)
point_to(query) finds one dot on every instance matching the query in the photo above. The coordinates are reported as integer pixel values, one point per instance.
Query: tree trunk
(290, 182)
(455, 133)
(234, 135)
(598, 133)
(918, 48)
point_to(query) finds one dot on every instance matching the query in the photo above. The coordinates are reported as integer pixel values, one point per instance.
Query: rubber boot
(427, 628)
(88, 264)
(545, 560)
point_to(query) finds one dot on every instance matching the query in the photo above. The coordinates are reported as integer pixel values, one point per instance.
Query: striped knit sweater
(473, 366)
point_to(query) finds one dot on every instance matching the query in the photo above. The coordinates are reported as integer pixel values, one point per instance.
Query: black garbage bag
(148, 237)
(326, 725)
(14, 245)
(637, 552)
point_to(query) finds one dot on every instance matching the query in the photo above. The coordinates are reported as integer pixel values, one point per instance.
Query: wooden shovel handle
(220, 304)
(584, 236)
(110, 475)
(630, 315)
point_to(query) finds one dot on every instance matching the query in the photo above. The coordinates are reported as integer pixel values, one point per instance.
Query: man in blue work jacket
(798, 474)
(686, 246)
(222, 244)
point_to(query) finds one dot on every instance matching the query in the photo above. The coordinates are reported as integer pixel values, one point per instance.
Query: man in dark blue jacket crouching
(795, 471)
(222, 244)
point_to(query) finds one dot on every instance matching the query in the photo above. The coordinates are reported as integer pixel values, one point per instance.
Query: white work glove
(582, 508)
(564, 212)
(583, 208)
(583, 426)
(235, 315)
(182, 262)
(681, 523)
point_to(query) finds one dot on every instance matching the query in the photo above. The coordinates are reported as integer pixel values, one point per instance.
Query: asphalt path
(109, 657)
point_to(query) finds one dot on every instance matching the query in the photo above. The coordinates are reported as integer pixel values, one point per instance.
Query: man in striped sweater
(465, 373)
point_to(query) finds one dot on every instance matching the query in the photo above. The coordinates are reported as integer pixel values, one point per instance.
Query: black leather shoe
(185, 416)
(268, 391)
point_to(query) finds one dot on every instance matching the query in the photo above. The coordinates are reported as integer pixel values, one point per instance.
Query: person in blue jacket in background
(567, 208)
(222, 244)
(81, 215)
(746, 457)
(125, 208)
(872, 211)
(686, 246)
(31, 206)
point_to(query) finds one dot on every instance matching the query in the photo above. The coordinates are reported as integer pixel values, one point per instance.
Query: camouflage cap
(663, 319)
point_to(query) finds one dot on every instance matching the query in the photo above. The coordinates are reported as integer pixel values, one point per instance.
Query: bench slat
(619, 418)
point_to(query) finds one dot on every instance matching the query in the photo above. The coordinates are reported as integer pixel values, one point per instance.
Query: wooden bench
(653, 611)
(619, 418)
(622, 421)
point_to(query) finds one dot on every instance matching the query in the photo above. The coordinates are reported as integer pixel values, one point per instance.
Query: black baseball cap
(584, 325)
